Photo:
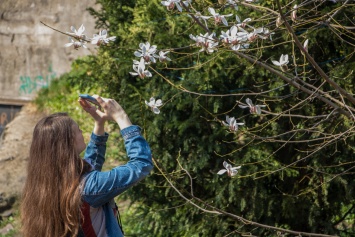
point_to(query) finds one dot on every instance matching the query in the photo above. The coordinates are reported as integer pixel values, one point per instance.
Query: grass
(14, 221)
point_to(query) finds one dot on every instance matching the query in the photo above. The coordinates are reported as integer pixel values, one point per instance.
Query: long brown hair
(51, 197)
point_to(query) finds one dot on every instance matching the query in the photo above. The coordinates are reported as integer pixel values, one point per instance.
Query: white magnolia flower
(282, 63)
(244, 47)
(234, 38)
(198, 15)
(231, 171)
(78, 34)
(232, 3)
(219, 18)
(252, 36)
(101, 38)
(270, 35)
(154, 104)
(206, 42)
(139, 68)
(170, 4)
(231, 123)
(242, 24)
(254, 109)
(198, 39)
(305, 46)
(262, 33)
(294, 13)
(266, 33)
(147, 52)
(163, 57)
(76, 44)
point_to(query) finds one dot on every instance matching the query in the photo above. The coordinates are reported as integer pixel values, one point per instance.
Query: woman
(65, 195)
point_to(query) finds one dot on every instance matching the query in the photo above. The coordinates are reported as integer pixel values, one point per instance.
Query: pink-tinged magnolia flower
(170, 4)
(198, 39)
(254, 35)
(154, 104)
(147, 52)
(139, 68)
(231, 123)
(78, 34)
(163, 57)
(294, 13)
(218, 18)
(282, 63)
(254, 109)
(242, 24)
(76, 44)
(234, 38)
(101, 38)
(231, 171)
(206, 42)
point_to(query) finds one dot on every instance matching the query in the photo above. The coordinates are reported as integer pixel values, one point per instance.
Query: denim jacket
(99, 188)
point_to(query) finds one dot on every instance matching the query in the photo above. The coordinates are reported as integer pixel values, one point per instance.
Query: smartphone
(89, 99)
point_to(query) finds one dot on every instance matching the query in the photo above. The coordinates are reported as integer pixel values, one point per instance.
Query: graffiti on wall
(7, 113)
(32, 85)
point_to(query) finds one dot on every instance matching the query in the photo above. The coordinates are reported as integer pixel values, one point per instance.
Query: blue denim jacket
(99, 188)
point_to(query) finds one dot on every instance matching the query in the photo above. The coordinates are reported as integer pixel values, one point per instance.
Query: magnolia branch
(335, 138)
(214, 210)
(288, 80)
(293, 83)
(311, 60)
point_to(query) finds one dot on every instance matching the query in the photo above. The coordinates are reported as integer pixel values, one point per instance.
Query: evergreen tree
(296, 157)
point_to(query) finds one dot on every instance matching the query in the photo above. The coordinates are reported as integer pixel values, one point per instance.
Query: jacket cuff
(99, 139)
(131, 131)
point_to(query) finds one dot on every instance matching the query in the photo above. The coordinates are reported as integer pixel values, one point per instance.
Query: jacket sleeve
(100, 187)
(95, 151)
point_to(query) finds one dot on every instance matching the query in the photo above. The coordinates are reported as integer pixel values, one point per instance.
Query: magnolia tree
(230, 27)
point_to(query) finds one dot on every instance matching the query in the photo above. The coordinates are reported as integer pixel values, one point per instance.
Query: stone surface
(14, 150)
(31, 54)
(6, 229)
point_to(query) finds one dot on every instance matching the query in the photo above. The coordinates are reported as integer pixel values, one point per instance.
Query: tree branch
(293, 83)
(239, 218)
(311, 60)
(288, 80)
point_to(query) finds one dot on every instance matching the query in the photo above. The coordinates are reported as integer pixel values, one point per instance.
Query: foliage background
(288, 178)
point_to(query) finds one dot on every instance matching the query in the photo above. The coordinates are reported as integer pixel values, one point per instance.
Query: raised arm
(100, 187)
(96, 150)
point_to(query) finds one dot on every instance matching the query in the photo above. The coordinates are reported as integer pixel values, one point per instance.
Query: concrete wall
(31, 54)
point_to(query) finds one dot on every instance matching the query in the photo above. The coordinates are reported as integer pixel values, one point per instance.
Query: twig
(233, 216)
(288, 80)
(181, 195)
(337, 11)
(64, 33)
(311, 60)
(293, 83)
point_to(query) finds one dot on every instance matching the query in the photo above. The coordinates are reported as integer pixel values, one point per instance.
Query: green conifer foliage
(297, 171)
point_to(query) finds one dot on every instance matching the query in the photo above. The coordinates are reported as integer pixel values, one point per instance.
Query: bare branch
(311, 60)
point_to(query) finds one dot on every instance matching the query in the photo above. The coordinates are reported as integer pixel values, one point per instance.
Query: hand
(91, 109)
(99, 127)
(111, 111)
